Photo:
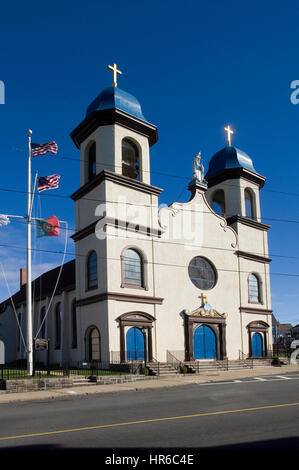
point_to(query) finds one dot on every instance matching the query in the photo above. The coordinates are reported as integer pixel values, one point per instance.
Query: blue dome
(228, 158)
(113, 97)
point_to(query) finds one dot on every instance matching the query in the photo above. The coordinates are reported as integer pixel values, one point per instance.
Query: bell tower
(114, 141)
(234, 193)
(234, 184)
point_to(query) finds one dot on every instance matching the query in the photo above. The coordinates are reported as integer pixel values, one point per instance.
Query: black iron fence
(18, 369)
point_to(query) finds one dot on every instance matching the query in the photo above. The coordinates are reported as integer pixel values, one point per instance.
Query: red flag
(48, 227)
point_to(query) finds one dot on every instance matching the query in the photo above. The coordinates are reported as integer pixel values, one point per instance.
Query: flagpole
(28, 285)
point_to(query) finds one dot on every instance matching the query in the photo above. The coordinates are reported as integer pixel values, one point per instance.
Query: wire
(14, 308)
(157, 263)
(57, 281)
(193, 246)
(104, 201)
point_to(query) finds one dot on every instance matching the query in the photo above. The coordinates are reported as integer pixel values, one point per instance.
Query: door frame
(218, 325)
(139, 320)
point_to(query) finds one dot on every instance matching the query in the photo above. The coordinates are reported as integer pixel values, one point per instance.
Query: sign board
(41, 344)
(2, 353)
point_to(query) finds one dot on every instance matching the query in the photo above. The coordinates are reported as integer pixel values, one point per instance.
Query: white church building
(189, 281)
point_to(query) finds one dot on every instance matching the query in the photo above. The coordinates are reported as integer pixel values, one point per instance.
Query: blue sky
(194, 66)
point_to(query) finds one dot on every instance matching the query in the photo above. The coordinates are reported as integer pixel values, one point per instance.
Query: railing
(175, 356)
(98, 368)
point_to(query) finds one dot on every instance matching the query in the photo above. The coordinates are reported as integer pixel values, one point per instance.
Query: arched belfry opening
(130, 159)
(91, 162)
(218, 202)
(250, 209)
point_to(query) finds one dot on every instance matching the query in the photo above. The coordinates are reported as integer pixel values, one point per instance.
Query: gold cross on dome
(115, 72)
(229, 132)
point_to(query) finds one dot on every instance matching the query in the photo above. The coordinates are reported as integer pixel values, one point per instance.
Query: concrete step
(162, 368)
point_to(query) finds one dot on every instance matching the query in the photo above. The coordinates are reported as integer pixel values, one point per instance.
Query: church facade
(186, 282)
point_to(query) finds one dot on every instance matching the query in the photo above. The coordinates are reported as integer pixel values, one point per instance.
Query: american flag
(42, 149)
(47, 182)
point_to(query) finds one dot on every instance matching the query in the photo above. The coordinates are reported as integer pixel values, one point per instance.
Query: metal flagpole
(28, 286)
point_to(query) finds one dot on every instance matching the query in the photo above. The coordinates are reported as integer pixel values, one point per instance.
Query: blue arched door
(256, 345)
(204, 343)
(135, 345)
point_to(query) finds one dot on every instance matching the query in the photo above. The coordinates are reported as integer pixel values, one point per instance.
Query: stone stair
(82, 380)
(197, 367)
(162, 368)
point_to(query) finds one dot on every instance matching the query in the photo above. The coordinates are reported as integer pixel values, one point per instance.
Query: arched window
(42, 322)
(93, 340)
(74, 326)
(91, 159)
(92, 271)
(130, 160)
(249, 204)
(254, 288)
(58, 326)
(132, 268)
(218, 202)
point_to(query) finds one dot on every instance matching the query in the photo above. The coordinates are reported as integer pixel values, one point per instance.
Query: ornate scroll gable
(205, 311)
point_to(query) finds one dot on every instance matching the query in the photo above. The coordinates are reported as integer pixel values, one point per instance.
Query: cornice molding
(127, 226)
(235, 173)
(121, 297)
(107, 175)
(246, 221)
(113, 116)
(257, 311)
(252, 257)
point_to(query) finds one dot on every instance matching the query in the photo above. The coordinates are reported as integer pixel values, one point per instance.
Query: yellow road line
(154, 420)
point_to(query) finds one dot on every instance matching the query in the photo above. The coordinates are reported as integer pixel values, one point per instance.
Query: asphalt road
(250, 414)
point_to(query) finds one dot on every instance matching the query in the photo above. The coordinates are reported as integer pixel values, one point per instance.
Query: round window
(202, 273)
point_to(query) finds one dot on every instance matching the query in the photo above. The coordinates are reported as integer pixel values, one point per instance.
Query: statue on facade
(198, 169)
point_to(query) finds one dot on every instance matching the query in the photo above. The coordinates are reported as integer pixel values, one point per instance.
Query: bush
(183, 369)
(276, 361)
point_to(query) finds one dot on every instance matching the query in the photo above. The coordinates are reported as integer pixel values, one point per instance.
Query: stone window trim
(144, 268)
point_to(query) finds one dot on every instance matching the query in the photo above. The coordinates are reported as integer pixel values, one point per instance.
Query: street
(260, 413)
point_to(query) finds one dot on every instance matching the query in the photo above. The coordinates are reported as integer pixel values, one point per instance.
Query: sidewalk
(151, 384)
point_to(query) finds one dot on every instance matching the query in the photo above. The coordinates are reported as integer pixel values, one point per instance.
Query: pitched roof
(44, 285)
